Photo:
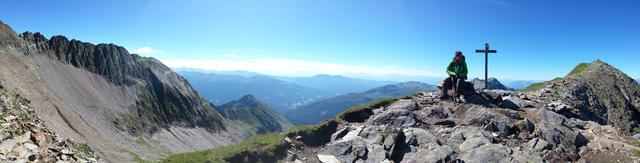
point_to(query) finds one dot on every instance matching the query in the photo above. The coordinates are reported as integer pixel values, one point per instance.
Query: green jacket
(460, 69)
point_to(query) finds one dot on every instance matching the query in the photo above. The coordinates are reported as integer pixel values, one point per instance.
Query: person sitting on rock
(457, 71)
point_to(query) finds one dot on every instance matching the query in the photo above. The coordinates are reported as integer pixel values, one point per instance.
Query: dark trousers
(451, 82)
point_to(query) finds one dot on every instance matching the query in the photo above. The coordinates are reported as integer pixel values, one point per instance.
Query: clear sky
(536, 40)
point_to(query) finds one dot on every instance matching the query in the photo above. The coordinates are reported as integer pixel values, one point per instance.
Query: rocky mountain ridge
(122, 105)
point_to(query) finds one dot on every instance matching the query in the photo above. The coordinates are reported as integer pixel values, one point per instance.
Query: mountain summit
(251, 114)
(596, 92)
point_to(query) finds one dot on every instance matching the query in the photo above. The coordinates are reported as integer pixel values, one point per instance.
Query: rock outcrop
(443, 131)
(492, 84)
(25, 138)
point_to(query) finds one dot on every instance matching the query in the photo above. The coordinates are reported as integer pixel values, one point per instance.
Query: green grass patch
(307, 129)
(538, 86)
(383, 102)
(579, 68)
(258, 143)
(375, 104)
(136, 158)
(636, 152)
(83, 148)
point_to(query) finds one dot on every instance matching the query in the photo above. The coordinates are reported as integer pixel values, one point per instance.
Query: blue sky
(536, 40)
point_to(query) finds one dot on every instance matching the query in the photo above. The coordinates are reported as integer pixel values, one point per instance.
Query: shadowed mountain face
(596, 92)
(251, 114)
(492, 84)
(164, 98)
(102, 95)
(282, 95)
(336, 84)
(321, 110)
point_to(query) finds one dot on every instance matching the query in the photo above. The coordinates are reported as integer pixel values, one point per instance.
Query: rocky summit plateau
(546, 122)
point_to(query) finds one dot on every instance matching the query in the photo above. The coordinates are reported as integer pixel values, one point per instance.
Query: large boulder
(537, 145)
(460, 134)
(389, 117)
(375, 153)
(419, 137)
(404, 121)
(406, 104)
(394, 143)
(435, 155)
(437, 112)
(553, 129)
(514, 102)
(328, 158)
(346, 150)
(493, 96)
(371, 134)
(525, 126)
(474, 142)
(520, 155)
(503, 128)
(480, 116)
(488, 153)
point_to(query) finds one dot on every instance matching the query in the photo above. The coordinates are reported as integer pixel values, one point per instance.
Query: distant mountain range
(336, 84)
(220, 72)
(279, 94)
(328, 108)
(253, 116)
(492, 84)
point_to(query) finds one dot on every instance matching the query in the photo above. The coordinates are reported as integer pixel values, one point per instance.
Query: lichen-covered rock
(406, 104)
(390, 116)
(347, 150)
(538, 145)
(488, 153)
(432, 155)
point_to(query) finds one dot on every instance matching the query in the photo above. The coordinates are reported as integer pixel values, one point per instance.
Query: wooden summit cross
(486, 52)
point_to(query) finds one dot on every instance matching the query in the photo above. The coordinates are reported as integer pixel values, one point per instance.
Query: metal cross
(486, 52)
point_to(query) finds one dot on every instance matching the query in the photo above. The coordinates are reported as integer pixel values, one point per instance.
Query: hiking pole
(455, 89)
